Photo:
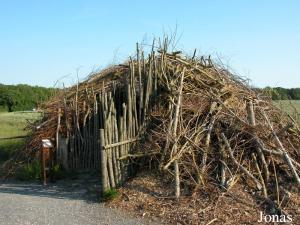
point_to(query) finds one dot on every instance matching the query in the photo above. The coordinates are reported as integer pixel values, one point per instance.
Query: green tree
(23, 97)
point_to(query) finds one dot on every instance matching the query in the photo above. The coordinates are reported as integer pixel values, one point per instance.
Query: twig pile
(215, 128)
(204, 124)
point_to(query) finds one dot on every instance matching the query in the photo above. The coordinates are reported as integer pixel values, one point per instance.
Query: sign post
(46, 158)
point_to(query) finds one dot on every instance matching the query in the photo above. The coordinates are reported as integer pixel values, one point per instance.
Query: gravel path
(59, 203)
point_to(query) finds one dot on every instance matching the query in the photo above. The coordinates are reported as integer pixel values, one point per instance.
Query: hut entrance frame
(106, 122)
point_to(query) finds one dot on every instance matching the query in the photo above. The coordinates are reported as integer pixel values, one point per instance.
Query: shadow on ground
(78, 189)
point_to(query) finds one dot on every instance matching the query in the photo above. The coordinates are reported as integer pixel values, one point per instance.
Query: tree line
(279, 93)
(23, 97)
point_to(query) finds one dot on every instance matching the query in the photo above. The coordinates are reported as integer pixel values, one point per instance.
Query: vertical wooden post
(95, 129)
(63, 151)
(103, 161)
(57, 134)
(43, 160)
(140, 85)
(148, 92)
(113, 140)
(108, 129)
(251, 120)
(124, 132)
(116, 149)
(46, 158)
(176, 118)
(121, 148)
(129, 115)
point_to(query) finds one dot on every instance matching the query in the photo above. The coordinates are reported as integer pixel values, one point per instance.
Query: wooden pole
(103, 162)
(113, 149)
(129, 104)
(140, 85)
(109, 140)
(57, 134)
(120, 149)
(124, 137)
(260, 177)
(207, 143)
(148, 92)
(243, 169)
(251, 119)
(43, 159)
(176, 118)
(95, 132)
(285, 154)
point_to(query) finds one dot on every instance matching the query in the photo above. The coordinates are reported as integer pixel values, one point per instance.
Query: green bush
(110, 194)
(30, 171)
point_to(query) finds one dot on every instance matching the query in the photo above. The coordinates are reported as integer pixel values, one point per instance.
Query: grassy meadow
(290, 106)
(13, 124)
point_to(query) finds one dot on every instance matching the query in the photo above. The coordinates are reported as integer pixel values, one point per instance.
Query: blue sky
(43, 41)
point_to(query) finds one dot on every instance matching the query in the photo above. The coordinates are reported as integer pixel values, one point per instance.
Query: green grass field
(290, 106)
(11, 125)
